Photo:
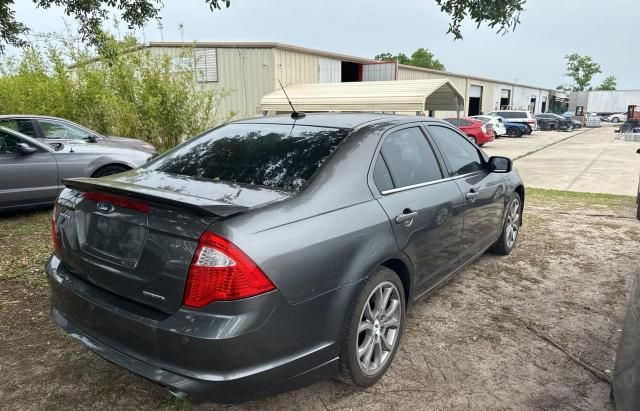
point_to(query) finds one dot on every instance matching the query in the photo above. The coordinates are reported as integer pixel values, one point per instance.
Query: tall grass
(127, 91)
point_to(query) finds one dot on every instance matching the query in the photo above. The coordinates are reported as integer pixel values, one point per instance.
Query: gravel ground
(466, 346)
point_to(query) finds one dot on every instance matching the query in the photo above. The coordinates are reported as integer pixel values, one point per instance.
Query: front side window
(272, 155)
(409, 157)
(57, 130)
(24, 126)
(463, 157)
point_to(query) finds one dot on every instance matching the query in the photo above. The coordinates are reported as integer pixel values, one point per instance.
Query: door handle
(406, 216)
(471, 196)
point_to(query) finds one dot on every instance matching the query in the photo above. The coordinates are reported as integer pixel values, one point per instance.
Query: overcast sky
(533, 54)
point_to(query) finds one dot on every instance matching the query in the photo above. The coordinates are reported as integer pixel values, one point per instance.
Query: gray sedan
(32, 172)
(275, 252)
(54, 131)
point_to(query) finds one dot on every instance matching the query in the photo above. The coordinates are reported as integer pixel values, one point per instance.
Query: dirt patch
(463, 348)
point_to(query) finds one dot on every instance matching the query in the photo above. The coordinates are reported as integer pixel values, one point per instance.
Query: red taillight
(57, 245)
(221, 271)
(119, 201)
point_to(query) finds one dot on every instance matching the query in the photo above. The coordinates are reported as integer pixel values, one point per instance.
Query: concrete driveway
(587, 160)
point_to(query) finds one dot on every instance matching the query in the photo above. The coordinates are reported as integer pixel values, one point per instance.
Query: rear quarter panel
(312, 256)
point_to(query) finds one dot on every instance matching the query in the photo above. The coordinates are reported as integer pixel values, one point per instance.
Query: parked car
(516, 129)
(517, 116)
(497, 122)
(272, 253)
(616, 118)
(559, 122)
(53, 130)
(478, 131)
(32, 171)
(570, 115)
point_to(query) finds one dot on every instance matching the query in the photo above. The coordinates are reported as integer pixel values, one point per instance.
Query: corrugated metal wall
(330, 70)
(294, 67)
(245, 73)
(250, 73)
(379, 72)
(491, 91)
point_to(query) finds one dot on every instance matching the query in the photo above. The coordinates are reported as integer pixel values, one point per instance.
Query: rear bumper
(234, 352)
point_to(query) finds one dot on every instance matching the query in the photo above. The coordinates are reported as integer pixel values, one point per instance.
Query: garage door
(475, 91)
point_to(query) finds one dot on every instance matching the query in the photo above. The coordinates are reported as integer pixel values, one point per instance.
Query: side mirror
(500, 164)
(24, 148)
(91, 138)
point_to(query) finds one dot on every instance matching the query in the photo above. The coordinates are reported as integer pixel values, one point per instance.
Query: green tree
(420, 58)
(424, 58)
(401, 58)
(501, 14)
(91, 14)
(128, 93)
(581, 70)
(609, 83)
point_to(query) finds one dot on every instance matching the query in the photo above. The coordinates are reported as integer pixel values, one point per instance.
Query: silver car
(32, 171)
(54, 130)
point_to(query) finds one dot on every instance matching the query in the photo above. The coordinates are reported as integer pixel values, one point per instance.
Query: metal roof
(368, 96)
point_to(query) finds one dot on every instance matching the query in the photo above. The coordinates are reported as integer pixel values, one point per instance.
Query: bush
(127, 91)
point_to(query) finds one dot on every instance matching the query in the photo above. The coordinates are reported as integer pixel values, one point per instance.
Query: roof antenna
(295, 114)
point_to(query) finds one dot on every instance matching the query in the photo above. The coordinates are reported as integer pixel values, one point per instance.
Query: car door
(424, 208)
(483, 190)
(30, 178)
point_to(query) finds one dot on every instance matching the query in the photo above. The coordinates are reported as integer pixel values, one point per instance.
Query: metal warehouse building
(248, 71)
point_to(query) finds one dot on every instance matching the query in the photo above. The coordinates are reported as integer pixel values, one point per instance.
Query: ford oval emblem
(105, 207)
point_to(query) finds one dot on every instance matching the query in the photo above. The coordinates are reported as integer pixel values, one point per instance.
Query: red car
(481, 133)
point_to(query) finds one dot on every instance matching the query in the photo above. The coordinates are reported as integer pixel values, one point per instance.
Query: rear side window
(409, 157)
(272, 155)
(24, 126)
(461, 154)
(382, 176)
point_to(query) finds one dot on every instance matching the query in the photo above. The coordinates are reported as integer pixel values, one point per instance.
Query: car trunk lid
(124, 235)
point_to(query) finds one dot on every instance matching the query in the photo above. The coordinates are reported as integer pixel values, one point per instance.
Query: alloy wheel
(513, 223)
(379, 328)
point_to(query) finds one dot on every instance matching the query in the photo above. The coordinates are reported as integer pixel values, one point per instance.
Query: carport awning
(378, 96)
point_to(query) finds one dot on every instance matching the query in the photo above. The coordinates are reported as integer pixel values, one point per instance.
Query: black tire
(514, 132)
(472, 138)
(350, 366)
(528, 130)
(109, 170)
(615, 120)
(505, 244)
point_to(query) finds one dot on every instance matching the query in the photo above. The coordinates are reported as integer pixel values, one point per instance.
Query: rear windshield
(272, 155)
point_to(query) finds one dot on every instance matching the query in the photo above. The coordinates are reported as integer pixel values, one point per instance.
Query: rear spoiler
(198, 205)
